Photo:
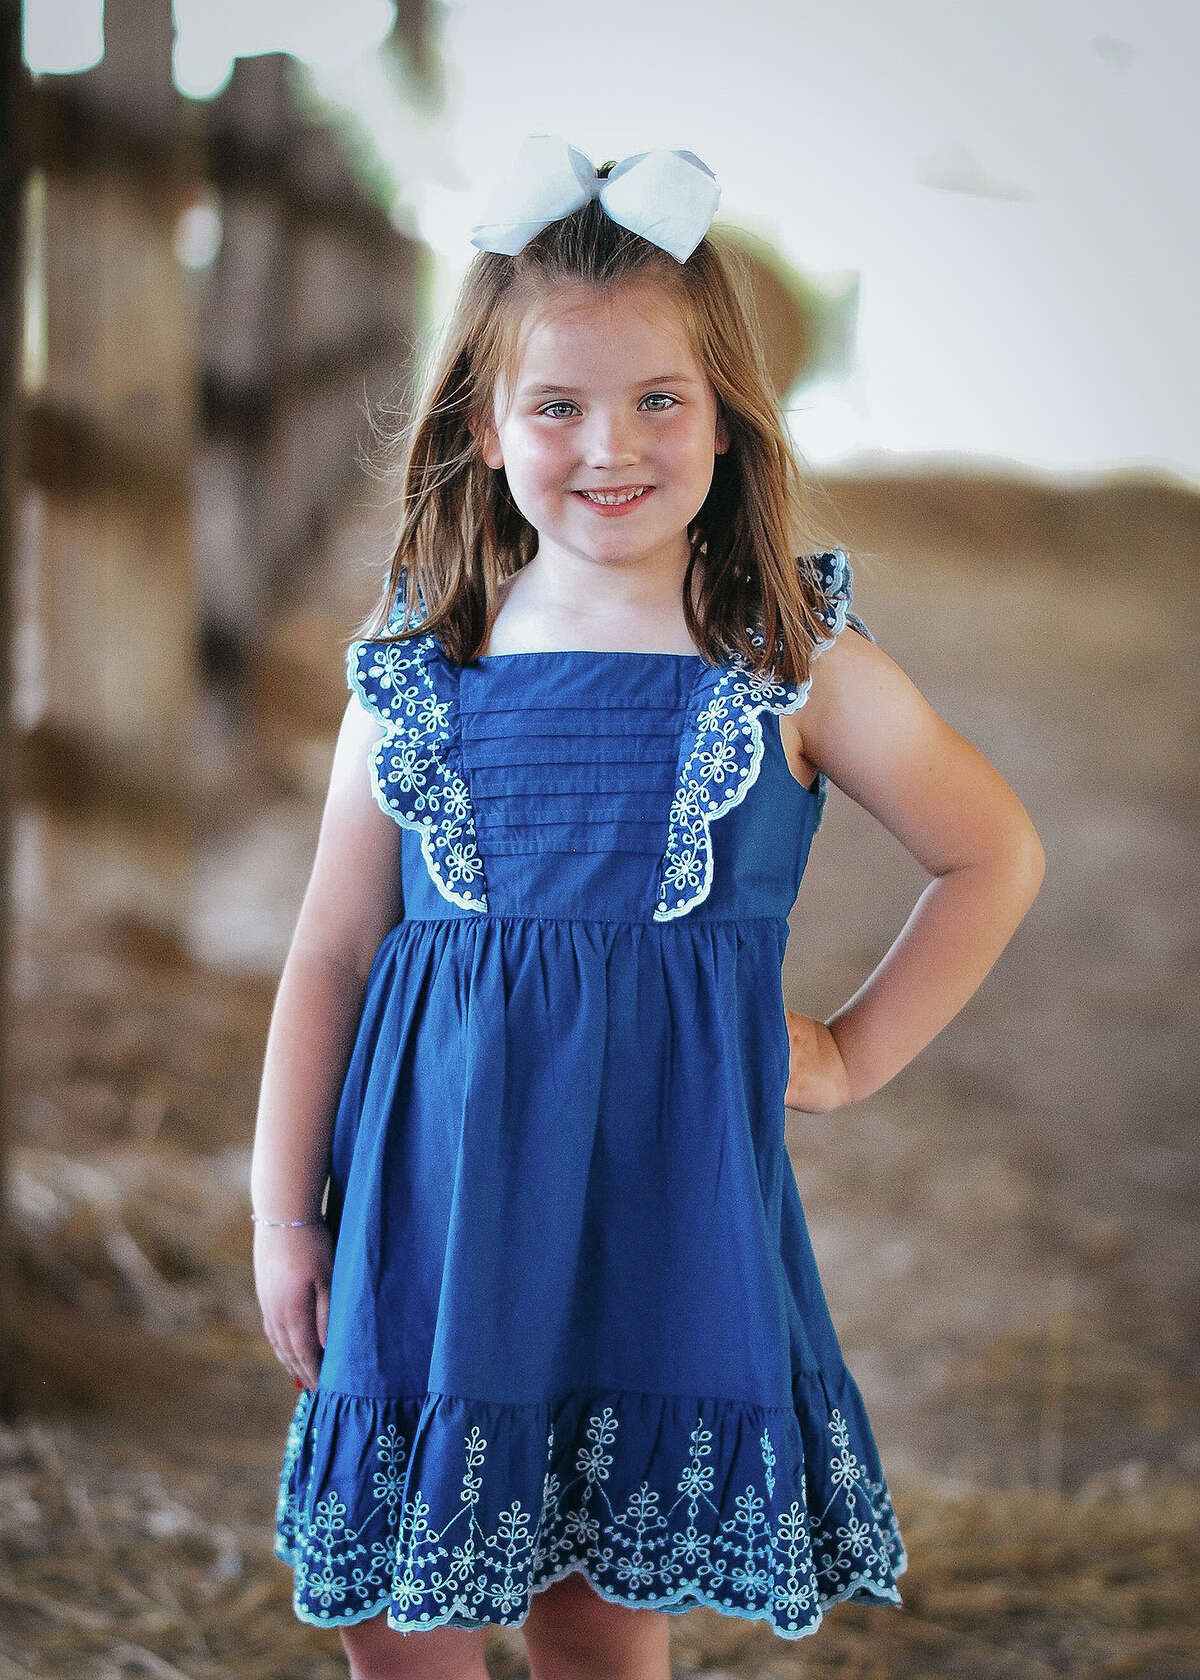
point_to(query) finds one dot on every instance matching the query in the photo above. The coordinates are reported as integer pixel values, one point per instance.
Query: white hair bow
(669, 197)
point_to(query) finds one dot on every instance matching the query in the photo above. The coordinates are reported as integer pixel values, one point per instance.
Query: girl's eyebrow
(572, 390)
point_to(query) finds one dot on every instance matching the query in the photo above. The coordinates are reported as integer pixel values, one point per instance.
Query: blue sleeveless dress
(575, 1316)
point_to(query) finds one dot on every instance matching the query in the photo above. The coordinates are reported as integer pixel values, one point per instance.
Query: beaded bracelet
(259, 1220)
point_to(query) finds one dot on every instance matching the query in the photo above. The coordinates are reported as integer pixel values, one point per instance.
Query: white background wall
(1015, 182)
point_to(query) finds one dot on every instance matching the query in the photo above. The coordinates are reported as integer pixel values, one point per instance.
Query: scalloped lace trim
(727, 752)
(662, 1548)
(412, 774)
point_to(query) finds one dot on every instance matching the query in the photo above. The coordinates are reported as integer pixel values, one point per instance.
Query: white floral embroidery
(668, 1551)
(727, 748)
(412, 766)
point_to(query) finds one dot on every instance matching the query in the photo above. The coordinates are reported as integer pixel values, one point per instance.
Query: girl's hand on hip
(817, 1077)
(292, 1269)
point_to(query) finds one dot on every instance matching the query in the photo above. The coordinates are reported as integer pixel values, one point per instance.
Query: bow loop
(667, 196)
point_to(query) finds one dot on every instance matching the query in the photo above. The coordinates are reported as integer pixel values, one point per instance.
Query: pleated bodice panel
(588, 785)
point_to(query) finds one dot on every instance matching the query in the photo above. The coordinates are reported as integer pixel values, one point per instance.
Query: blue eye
(653, 396)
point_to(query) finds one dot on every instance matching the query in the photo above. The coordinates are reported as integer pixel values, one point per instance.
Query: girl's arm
(352, 899)
(867, 725)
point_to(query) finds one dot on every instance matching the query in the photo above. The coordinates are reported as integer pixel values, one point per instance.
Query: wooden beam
(237, 164)
(71, 453)
(64, 130)
(13, 79)
(243, 410)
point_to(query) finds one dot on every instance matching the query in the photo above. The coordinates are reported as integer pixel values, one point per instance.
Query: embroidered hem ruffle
(450, 1512)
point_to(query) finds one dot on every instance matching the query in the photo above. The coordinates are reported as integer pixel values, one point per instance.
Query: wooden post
(111, 426)
(12, 196)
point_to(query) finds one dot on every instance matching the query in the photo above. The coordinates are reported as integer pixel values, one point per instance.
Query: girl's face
(608, 396)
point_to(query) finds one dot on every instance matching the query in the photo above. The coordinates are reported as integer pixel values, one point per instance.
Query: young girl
(566, 1359)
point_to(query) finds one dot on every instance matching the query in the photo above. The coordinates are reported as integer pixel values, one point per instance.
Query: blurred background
(227, 234)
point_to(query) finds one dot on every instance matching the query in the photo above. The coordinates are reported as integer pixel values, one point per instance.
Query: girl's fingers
(283, 1352)
(300, 1330)
(295, 1312)
(285, 1360)
(297, 1331)
(280, 1330)
(308, 1349)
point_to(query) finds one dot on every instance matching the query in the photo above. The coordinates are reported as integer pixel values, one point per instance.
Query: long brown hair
(461, 535)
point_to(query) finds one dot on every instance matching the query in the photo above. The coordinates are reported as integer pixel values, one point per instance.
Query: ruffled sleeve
(723, 745)
(395, 619)
(387, 676)
(417, 774)
(836, 579)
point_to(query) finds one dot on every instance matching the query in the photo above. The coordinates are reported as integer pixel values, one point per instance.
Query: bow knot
(667, 196)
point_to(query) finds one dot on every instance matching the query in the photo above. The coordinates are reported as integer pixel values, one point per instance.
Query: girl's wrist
(286, 1224)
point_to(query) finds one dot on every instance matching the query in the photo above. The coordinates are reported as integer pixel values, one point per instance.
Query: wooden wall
(175, 443)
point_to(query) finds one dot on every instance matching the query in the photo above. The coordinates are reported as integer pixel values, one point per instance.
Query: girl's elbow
(1014, 861)
(1027, 860)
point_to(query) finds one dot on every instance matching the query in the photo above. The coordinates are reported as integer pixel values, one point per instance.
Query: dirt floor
(1006, 1233)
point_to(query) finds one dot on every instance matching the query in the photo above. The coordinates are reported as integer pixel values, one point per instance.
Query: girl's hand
(292, 1269)
(817, 1077)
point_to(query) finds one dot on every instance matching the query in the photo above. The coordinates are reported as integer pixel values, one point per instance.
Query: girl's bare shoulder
(867, 725)
(793, 725)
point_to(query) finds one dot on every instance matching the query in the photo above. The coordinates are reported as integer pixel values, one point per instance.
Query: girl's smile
(612, 503)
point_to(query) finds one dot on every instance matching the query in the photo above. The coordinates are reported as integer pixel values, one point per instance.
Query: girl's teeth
(613, 501)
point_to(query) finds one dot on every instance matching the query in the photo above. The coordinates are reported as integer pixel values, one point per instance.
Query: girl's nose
(611, 441)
